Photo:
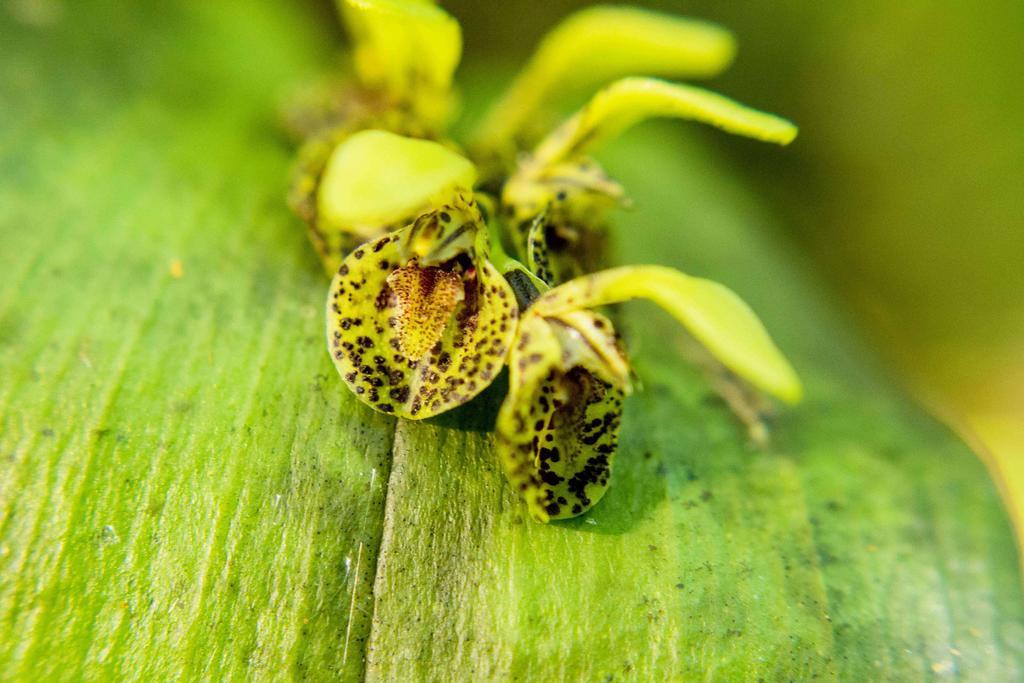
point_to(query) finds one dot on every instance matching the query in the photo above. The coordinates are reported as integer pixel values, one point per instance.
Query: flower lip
(415, 336)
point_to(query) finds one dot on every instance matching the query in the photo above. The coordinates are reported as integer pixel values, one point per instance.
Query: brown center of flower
(427, 298)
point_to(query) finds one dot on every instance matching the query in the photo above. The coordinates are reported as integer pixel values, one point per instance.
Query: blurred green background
(904, 187)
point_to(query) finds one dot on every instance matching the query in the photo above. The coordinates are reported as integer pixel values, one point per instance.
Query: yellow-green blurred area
(904, 187)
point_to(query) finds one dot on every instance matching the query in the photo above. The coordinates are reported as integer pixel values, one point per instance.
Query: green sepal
(632, 100)
(628, 41)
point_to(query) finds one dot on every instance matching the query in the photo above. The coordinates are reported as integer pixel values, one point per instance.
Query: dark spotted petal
(537, 249)
(576, 191)
(386, 361)
(558, 427)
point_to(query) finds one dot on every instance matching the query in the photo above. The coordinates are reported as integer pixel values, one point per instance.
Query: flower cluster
(450, 265)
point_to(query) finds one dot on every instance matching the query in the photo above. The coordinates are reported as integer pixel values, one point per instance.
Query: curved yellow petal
(558, 427)
(599, 44)
(405, 47)
(589, 339)
(712, 313)
(425, 341)
(631, 100)
(374, 179)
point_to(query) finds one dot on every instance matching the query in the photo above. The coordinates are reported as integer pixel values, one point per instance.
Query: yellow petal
(403, 45)
(712, 313)
(375, 178)
(599, 44)
(631, 100)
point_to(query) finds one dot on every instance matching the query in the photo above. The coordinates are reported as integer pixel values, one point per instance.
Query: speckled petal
(573, 198)
(558, 427)
(537, 249)
(569, 192)
(367, 342)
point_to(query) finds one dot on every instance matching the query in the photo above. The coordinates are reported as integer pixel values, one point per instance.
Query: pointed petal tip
(787, 132)
(792, 391)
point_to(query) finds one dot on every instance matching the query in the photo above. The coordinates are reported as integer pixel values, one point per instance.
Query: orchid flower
(439, 284)
(403, 58)
(419, 319)
(558, 426)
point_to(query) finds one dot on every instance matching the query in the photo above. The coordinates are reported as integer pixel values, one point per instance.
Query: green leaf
(184, 490)
(187, 490)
